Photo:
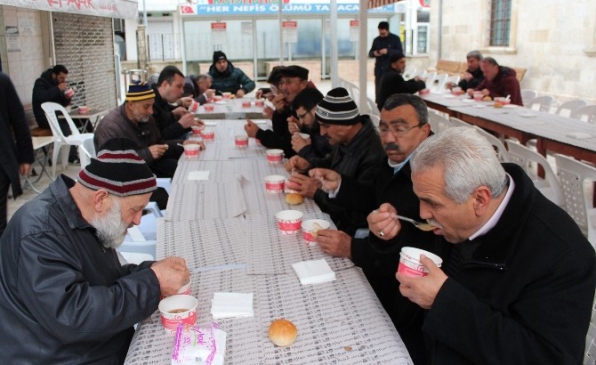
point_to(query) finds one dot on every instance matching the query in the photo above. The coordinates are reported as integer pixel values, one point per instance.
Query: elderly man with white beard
(64, 296)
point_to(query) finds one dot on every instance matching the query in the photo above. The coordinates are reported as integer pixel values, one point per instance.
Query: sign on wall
(273, 9)
(354, 30)
(290, 31)
(219, 34)
(123, 9)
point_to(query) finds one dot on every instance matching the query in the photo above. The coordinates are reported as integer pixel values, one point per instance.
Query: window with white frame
(500, 23)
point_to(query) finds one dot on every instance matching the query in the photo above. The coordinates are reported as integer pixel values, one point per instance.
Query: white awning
(124, 9)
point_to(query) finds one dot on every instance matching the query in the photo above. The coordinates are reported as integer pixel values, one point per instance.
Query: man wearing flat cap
(357, 152)
(293, 79)
(64, 296)
(228, 78)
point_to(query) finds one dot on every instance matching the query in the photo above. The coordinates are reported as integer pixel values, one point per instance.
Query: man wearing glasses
(293, 79)
(403, 126)
(315, 145)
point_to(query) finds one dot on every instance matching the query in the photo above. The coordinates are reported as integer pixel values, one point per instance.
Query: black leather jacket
(64, 298)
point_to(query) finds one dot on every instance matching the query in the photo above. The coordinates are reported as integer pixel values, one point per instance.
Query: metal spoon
(426, 227)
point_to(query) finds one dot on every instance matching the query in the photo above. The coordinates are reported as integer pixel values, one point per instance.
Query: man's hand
(188, 120)
(296, 163)
(240, 93)
(305, 185)
(63, 86)
(157, 150)
(424, 290)
(209, 93)
(251, 128)
(383, 223)
(172, 275)
(383, 51)
(470, 92)
(280, 102)
(184, 102)
(335, 243)
(298, 142)
(24, 169)
(329, 179)
(293, 124)
(190, 141)
(485, 92)
(467, 76)
(179, 112)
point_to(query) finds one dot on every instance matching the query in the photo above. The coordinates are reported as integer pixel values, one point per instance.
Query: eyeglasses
(397, 130)
(301, 116)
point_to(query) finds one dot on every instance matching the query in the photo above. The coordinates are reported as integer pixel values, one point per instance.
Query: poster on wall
(354, 30)
(12, 39)
(290, 31)
(219, 34)
(246, 28)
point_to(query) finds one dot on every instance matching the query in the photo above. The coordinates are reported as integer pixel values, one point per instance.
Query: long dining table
(221, 221)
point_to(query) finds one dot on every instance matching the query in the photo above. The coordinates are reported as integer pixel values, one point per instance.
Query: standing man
(199, 88)
(16, 147)
(227, 78)
(51, 86)
(394, 83)
(356, 152)
(498, 81)
(518, 285)
(173, 122)
(64, 296)
(383, 47)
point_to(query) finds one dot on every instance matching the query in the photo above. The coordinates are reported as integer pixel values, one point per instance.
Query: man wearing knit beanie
(65, 296)
(357, 153)
(227, 78)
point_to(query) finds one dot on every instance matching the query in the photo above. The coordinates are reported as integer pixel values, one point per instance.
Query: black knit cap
(219, 55)
(294, 71)
(119, 170)
(337, 107)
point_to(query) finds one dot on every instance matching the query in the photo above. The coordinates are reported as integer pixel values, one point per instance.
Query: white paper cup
(274, 156)
(307, 229)
(289, 221)
(227, 95)
(70, 93)
(83, 109)
(196, 129)
(208, 134)
(274, 184)
(259, 103)
(409, 262)
(209, 108)
(192, 150)
(178, 309)
(305, 135)
(290, 187)
(241, 141)
(246, 104)
(194, 107)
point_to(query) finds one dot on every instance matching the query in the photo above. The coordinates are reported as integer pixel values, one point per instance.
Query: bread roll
(487, 98)
(498, 105)
(294, 199)
(282, 332)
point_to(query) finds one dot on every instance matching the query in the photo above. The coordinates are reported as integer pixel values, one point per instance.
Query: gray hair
(475, 54)
(468, 161)
(152, 79)
(415, 101)
(203, 77)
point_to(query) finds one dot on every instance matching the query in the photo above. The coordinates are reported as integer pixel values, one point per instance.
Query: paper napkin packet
(194, 345)
(232, 305)
(198, 175)
(314, 272)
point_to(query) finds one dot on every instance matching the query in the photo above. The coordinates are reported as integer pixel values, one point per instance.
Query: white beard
(111, 230)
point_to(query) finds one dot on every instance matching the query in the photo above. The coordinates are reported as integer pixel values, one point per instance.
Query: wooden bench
(35, 130)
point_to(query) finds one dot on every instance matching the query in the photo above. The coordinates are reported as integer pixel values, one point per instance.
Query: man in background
(473, 75)
(51, 86)
(199, 88)
(16, 146)
(499, 81)
(227, 78)
(394, 83)
(383, 47)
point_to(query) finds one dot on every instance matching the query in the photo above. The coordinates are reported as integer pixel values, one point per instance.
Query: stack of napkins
(314, 272)
(198, 175)
(231, 305)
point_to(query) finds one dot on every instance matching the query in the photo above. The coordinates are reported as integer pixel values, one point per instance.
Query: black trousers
(4, 186)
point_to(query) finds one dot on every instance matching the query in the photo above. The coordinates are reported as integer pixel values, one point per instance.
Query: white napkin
(198, 175)
(314, 272)
(231, 305)
(578, 135)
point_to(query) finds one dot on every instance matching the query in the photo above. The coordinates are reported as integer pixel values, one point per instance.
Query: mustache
(391, 147)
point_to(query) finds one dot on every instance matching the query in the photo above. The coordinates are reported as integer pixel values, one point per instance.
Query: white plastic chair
(528, 96)
(456, 122)
(375, 119)
(142, 238)
(567, 108)
(86, 151)
(410, 73)
(62, 141)
(573, 176)
(590, 354)
(134, 257)
(372, 107)
(438, 123)
(529, 159)
(430, 79)
(541, 103)
(587, 114)
(439, 82)
(453, 80)
(500, 149)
